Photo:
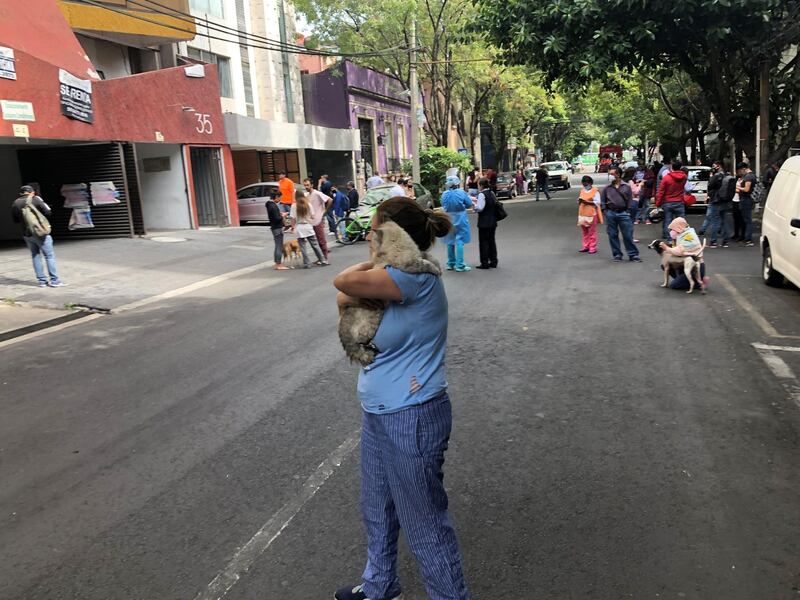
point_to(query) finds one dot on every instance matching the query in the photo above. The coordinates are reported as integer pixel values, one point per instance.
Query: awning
(248, 133)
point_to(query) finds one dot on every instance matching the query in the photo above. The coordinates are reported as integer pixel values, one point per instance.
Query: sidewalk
(109, 273)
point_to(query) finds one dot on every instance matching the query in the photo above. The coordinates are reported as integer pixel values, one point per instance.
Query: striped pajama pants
(402, 486)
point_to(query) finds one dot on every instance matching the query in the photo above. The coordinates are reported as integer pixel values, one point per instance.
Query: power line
(210, 25)
(239, 42)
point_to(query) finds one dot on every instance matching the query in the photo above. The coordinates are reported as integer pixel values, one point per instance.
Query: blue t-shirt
(411, 344)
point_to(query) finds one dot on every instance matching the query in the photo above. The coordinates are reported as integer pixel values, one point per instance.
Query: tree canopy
(719, 45)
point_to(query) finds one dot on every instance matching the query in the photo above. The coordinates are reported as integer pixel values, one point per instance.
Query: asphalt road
(611, 439)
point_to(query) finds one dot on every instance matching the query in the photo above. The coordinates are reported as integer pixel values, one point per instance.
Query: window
(254, 191)
(389, 141)
(223, 67)
(210, 7)
(401, 142)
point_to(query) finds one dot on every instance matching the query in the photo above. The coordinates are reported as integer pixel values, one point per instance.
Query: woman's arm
(362, 281)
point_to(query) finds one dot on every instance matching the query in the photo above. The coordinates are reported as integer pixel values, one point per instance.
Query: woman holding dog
(589, 214)
(406, 416)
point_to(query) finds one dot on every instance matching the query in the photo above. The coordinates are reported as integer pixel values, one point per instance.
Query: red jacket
(671, 188)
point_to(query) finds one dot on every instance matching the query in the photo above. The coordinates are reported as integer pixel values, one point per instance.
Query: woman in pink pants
(589, 214)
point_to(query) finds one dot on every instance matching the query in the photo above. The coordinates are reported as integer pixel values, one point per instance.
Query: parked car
(380, 193)
(780, 227)
(506, 186)
(252, 200)
(558, 174)
(698, 180)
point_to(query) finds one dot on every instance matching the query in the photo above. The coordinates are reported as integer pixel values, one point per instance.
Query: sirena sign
(76, 97)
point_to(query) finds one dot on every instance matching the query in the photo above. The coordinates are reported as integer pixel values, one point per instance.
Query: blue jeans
(708, 220)
(672, 210)
(644, 208)
(402, 487)
(543, 187)
(617, 222)
(746, 208)
(39, 246)
(720, 224)
(331, 221)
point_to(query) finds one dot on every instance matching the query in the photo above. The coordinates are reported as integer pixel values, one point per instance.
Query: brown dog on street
(689, 263)
(291, 251)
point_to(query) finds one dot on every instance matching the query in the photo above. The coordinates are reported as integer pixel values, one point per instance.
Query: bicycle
(352, 228)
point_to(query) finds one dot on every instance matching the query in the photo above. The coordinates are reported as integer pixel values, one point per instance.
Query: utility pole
(412, 76)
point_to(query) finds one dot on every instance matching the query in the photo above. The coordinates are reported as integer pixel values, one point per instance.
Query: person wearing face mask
(671, 195)
(616, 201)
(589, 214)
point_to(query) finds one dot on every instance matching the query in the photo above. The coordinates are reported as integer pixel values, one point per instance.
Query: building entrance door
(367, 146)
(208, 189)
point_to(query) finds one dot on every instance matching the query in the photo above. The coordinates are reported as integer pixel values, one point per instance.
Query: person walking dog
(407, 416)
(31, 212)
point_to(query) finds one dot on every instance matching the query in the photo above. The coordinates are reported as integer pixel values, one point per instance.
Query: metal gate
(208, 189)
(53, 166)
(367, 146)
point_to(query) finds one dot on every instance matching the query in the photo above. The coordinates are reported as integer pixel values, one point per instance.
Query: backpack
(34, 220)
(727, 189)
(758, 192)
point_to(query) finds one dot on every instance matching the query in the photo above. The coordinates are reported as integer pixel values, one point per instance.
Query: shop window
(210, 7)
(223, 67)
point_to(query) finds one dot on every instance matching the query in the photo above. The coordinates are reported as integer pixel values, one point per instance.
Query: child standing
(302, 215)
(589, 214)
(276, 224)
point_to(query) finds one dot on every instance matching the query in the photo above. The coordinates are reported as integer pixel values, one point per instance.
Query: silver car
(252, 200)
(697, 184)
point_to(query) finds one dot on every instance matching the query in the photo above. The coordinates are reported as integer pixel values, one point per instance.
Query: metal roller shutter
(51, 167)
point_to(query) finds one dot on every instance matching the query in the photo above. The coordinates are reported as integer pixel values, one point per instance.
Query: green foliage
(718, 44)
(434, 162)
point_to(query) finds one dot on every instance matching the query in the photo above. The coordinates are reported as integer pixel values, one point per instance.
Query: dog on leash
(291, 251)
(690, 264)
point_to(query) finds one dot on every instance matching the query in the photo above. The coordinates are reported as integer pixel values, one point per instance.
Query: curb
(14, 333)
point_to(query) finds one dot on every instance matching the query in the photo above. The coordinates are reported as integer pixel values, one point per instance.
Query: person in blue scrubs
(406, 417)
(456, 202)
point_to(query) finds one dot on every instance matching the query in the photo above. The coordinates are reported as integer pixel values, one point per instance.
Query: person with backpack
(749, 195)
(486, 207)
(31, 212)
(721, 190)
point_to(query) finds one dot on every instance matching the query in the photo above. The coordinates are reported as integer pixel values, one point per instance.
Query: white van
(780, 228)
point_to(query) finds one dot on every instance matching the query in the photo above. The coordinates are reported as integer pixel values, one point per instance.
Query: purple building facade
(349, 96)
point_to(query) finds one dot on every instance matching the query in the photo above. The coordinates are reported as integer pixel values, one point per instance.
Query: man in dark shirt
(352, 195)
(542, 177)
(744, 187)
(37, 245)
(616, 201)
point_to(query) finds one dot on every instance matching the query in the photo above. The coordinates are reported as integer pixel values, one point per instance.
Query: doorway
(208, 189)
(367, 146)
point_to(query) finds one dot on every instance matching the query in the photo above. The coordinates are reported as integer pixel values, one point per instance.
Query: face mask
(613, 178)
(673, 234)
(588, 188)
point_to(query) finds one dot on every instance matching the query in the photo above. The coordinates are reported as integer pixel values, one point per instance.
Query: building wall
(325, 99)
(109, 58)
(385, 116)
(228, 49)
(10, 183)
(268, 64)
(165, 203)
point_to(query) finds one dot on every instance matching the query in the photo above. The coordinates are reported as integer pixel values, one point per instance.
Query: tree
(719, 45)
(434, 162)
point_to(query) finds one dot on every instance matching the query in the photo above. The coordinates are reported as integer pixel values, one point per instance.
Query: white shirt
(373, 181)
(304, 228)
(317, 201)
(397, 191)
(481, 203)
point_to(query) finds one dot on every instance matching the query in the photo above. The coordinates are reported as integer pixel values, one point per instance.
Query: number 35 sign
(204, 123)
